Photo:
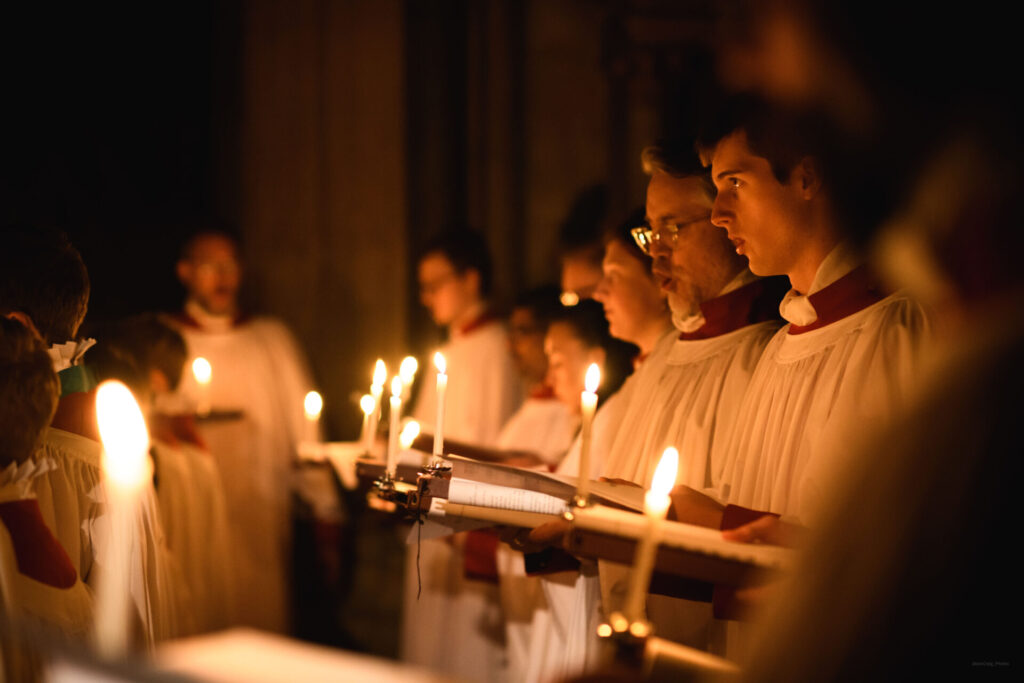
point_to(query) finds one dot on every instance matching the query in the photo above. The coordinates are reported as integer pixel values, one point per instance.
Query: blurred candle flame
(593, 378)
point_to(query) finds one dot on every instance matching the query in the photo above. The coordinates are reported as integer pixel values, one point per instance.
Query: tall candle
(313, 405)
(368, 406)
(588, 404)
(203, 372)
(393, 431)
(656, 503)
(407, 371)
(442, 389)
(380, 375)
(126, 470)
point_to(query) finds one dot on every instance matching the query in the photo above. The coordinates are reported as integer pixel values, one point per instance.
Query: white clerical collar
(797, 308)
(63, 356)
(209, 321)
(16, 479)
(695, 320)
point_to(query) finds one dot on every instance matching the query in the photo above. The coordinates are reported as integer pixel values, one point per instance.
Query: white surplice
(545, 426)
(194, 514)
(44, 588)
(258, 369)
(455, 626)
(816, 387)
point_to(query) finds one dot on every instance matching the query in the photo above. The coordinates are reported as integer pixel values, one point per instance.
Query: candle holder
(625, 641)
(581, 501)
(438, 467)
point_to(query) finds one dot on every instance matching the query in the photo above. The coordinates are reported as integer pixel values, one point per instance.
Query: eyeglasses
(668, 234)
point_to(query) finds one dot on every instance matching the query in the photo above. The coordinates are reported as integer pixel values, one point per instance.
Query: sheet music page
(469, 492)
(556, 485)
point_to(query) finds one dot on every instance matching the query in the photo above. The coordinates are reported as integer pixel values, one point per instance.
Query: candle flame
(439, 363)
(409, 433)
(665, 474)
(396, 387)
(593, 379)
(313, 404)
(202, 370)
(123, 433)
(569, 299)
(380, 373)
(367, 404)
(407, 370)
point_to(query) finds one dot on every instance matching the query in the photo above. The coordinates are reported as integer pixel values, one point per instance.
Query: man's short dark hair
(579, 235)
(195, 237)
(465, 249)
(28, 391)
(127, 350)
(783, 138)
(43, 276)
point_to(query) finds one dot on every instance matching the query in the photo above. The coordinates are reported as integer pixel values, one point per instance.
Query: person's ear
(472, 279)
(184, 269)
(807, 176)
(26, 320)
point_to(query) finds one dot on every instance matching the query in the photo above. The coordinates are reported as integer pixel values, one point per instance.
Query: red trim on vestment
(76, 413)
(753, 303)
(480, 555)
(542, 392)
(39, 555)
(851, 293)
(478, 322)
(185, 320)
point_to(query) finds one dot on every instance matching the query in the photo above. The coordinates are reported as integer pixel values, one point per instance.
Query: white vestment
(813, 388)
(258, 370)
(56, 596)
(194, 514)
(545, 426)
(455, 626)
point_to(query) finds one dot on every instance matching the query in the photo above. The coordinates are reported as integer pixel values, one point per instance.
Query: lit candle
(442, 389)
(313, 405)
(368, 406)
(203, 373)
(126, 470)
(588, 404)
(380, 375)
(393, 431)
(409, 433)
(407, 371)
(656, 503)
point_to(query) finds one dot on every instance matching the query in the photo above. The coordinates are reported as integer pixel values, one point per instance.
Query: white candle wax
(368, 406)
(313, 405)
(442, 389)
(393, 431)
(588, 405)
(656, 504)
(203, 372)
(126, 470)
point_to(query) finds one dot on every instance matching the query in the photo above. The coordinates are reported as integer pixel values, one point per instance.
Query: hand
(694, 507)
(554, 533)
(768, 529)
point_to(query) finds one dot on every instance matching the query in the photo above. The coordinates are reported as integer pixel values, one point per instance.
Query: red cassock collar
(752, 303)
(39, 555)
(185, 320)
(851, 293)
(476, 323)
